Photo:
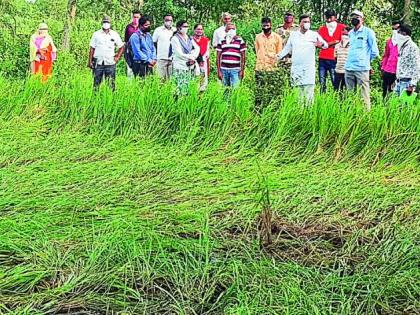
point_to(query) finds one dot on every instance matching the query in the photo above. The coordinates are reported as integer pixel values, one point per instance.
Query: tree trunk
(407, 11)
(71, 16)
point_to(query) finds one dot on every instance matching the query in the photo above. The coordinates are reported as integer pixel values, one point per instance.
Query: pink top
(38, 43)
(390, 58)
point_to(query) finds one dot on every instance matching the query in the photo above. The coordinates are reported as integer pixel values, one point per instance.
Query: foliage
(97, 224)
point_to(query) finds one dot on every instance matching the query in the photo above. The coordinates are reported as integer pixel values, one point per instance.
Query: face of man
(356, 20)
(266, 27)
(303, 22)
(137, 16)
(289, 19)
(230, 27)
(146, 27)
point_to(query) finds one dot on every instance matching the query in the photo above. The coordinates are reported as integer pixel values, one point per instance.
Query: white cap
(43, 26)
(358, 13)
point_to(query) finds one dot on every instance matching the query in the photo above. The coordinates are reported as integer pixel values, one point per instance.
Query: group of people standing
(345, 54)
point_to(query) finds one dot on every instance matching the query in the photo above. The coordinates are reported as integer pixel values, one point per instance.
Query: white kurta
(302, 47)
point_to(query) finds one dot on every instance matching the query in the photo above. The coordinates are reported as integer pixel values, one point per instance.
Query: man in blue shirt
(363, 49)
(143, 49)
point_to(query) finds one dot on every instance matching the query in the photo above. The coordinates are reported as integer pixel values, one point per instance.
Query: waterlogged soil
(93, 225)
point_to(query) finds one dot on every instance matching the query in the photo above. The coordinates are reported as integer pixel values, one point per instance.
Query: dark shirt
(129, 30)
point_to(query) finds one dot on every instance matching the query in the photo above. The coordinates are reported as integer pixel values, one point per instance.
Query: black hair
(180, 23)
(405, 28)
(289, 14)
(136, 12)
(304, 16)
(329, 13)
(265, 20)
(168, 14)
(144, 19)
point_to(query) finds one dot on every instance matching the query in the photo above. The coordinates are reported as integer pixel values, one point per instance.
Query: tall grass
(336, 126)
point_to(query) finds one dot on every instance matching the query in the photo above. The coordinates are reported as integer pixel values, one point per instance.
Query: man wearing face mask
(130, 30)
(144, 51)
(284, 32)
(267, 46)
(220, 33)
(408, 67)
(389, 62)
(302, 45)
(363, 49)
(341, 52)
(331, 33)
(231, 58)
(162, 39)
(102, 57)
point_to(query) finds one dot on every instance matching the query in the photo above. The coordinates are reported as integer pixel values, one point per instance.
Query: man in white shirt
(302, 46)
(220, 33)
(162, 39)
(102, 57)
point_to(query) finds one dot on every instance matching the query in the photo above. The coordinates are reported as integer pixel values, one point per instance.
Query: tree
(71, 16)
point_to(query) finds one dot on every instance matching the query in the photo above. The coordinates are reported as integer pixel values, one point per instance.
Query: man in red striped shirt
(331, 33)
(231, 57)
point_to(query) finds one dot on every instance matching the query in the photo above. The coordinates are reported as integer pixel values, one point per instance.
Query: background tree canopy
(72, 22)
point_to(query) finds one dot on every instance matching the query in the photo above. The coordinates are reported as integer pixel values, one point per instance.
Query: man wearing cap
(102, 57)
(331, 33)
(363, 49)
(302, 45)
(408, 67)
(220, 33)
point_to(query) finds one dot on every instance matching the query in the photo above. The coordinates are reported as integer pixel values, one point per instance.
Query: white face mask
(394, 34)
(231, 33)
(168, 24)
(332, 24)
(307, 26)
(400, 39)
(106, 26)
(184, 30)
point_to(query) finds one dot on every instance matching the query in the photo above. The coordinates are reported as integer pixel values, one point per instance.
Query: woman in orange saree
(42, 53)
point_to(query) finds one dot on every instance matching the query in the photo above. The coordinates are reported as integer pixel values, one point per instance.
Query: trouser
(130, 73)
(164, 69)
(142, 69)
(306, 93)
(401, 86)
(339, 81)
(183, 79)
(355, 79)
(326, 67)
(388, 80)
(230, 77)
(102, 72)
